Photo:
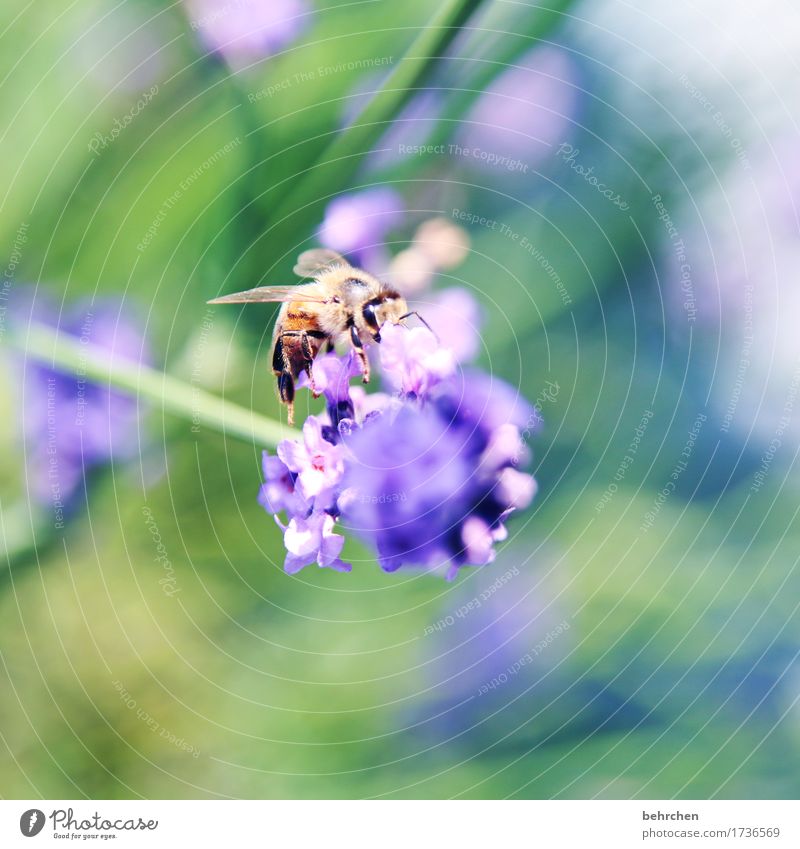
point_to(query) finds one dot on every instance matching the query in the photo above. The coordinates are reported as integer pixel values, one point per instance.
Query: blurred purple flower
(413, 360)
(730, 260)
(526, 109)
(496, 654)
(456, 318)
(412, 126)
(412, 498)
(357, 223)
(366, 405)
(486, 402)
(244, 31)
(431, 501)
(71, 425)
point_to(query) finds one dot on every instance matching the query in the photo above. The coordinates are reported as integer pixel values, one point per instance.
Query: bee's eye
(369, 317)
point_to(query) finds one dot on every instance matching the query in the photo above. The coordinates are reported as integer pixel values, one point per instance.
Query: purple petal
(247, 30)
(293, 564)
(456, 319)
(516, 489)
(293, 454)
(505, 446)
(523, 113)
(413, 360)
(303, 537)
(478, 541)
(359, 221)
(332, 375)
(273, 467)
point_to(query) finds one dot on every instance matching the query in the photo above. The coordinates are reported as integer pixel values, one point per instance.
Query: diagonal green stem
(299, 211)
(66, 353)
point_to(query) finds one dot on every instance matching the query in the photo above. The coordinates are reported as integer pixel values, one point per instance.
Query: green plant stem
(299, 211)
(67, 354)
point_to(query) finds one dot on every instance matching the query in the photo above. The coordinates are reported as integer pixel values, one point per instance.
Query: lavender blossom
(332, 378)
(278, 492)
(317, 462)
(413, 360)
(357, 223)
(524, 112)
(71, 425)
(311, 538)
(456, 318)
(244, 31)
(427, 478)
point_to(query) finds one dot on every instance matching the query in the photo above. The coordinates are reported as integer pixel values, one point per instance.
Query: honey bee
(342, 303)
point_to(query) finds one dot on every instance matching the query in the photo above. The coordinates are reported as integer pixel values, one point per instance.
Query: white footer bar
(402, 824)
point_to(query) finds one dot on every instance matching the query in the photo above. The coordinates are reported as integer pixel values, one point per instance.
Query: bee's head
(388, 306)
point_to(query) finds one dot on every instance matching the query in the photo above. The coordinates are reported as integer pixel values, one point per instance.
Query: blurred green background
(678, 673)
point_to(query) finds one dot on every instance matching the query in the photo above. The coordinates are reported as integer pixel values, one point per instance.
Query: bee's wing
(270, 294)
(312, 262)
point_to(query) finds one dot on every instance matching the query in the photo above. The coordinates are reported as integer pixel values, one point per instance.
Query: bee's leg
(282, 368)
(309, 355)
(278, 357)
(286, 391)
(358, 347)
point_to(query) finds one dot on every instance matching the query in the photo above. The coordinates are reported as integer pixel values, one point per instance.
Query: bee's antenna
(414, 312)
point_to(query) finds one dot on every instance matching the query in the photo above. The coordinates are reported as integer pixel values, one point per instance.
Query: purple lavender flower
(486, 402)
(440, 497)
(243, 31)
(413, 360)
(303, 481)
(456, 318)
(427, 479)
(71, 425)
(317, 462)
(495, 655)
(311, 539)
(357, 223)
(526, 110)
(278, 493)
(332, 378)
